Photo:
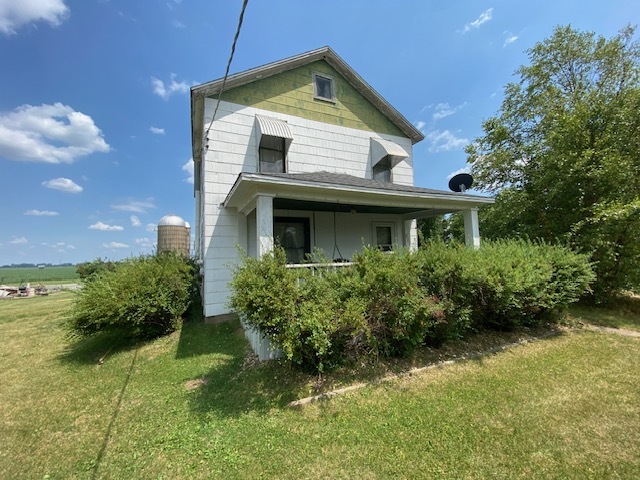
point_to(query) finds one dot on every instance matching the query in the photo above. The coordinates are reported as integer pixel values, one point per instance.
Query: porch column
(264, 224)
(471, 228)
(411, 235)
(243, 235)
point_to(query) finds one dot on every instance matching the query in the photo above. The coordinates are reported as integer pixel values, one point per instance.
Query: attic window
(324, 87)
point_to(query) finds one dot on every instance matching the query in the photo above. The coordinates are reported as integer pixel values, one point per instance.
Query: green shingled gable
(291, 93)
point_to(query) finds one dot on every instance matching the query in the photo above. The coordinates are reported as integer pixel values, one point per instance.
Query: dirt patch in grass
(197, 383)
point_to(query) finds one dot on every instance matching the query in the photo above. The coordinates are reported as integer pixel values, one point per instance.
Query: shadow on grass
(97, 348)
(237, 383)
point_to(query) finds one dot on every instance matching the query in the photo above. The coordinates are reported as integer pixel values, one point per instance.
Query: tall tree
(563, 152)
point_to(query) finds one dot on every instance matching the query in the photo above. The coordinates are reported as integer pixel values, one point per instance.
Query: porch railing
(320, 268)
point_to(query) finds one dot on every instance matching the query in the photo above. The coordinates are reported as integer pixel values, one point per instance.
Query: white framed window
(384, 234)
(324, 87)
(272, 153)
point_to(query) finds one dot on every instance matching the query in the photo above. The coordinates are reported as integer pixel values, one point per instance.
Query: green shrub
(142, 297)
(87, 271)
(399, 314)
(503, 284)
(295, 310)
(322, 320)
(389, 304)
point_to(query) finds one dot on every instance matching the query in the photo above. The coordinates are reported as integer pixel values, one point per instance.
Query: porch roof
(340, 192)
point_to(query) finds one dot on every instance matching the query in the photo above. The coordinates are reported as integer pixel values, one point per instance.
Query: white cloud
(48, 133)
(444, 141)
(63, 184)
(145, 242)
(19, 241)
(136, 206)
(41, 213)
(115, 245)
(62, 246)
(509, 40)
(483, 18)
(462, 170)
(156, 131)
(105, 227)
(151, 227)
(165, 91)
(135, 221)
(420, 125)
(178, 24)
(16, 13)
(443, 110)
(188, 167)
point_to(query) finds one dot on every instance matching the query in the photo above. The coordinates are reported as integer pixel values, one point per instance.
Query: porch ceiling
(338, 192)
(282, 203)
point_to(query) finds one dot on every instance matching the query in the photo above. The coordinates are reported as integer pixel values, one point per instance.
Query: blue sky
(94, 105)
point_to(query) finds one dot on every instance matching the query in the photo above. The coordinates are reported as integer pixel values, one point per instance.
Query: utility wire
(226, 74)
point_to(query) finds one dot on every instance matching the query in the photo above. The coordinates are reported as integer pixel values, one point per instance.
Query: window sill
(326, 100)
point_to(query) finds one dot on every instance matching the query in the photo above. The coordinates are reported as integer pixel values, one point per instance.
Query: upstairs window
(324, 87)
(274, 138)
(272, 154)
(385, 155)
(382, 170)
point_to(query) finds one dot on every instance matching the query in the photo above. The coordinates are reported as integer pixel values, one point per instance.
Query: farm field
(47, 275)
(194, 405)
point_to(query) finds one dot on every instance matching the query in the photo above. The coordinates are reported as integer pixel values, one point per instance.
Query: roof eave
(253, 182)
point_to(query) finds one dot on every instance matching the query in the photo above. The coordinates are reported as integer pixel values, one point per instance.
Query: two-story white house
(303, 152)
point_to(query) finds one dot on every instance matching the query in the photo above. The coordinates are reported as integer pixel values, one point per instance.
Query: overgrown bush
(87, 271)
(389, 304)
(142, 297)
(293, 309)
(321, 320)
(504, 284)
(398, 312)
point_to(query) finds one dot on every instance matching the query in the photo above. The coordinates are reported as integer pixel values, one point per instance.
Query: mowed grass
(18, 276)
(191, 406)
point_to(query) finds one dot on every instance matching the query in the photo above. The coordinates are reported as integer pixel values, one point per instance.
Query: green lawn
(47, 275)
(623, 312)
(564, 407)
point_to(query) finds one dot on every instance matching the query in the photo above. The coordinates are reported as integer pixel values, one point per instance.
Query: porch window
(383, 235)
(272, 154)
(293, 235)
(382, 170)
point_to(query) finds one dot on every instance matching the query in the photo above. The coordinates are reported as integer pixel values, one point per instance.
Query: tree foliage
(563, 152)
(87, 271)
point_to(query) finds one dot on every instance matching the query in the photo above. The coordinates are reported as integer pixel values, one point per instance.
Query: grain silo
(174, 235)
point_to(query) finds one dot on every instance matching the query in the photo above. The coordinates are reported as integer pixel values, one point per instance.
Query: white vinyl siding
(234, 148)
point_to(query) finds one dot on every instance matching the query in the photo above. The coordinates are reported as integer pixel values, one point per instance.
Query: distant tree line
(36, 265)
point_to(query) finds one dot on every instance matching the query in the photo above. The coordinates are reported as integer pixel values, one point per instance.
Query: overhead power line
(226, 73)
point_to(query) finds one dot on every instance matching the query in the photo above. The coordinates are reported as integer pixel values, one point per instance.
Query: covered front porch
(338, 214)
